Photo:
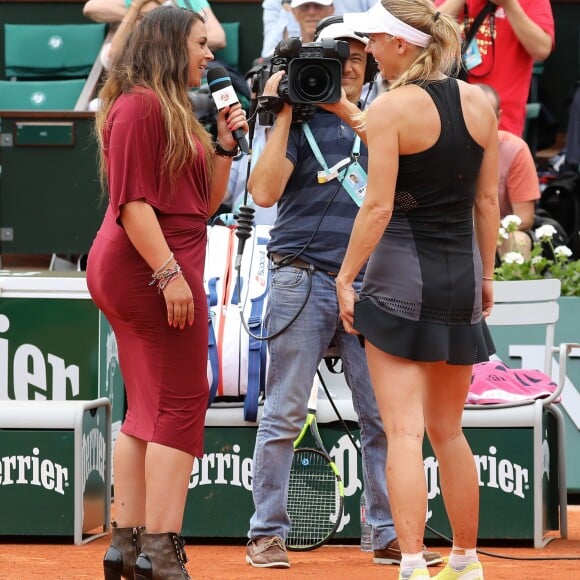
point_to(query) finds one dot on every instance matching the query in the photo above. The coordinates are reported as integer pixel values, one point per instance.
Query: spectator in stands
(165, 178)
(113, 11)
(502, 54)
(308, 13)
(519, 187)
(280, 22)
(136, 11)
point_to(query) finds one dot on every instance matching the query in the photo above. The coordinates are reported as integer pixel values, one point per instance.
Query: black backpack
(561, 200)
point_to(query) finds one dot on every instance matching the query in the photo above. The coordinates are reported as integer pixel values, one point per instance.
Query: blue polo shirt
(307, 206)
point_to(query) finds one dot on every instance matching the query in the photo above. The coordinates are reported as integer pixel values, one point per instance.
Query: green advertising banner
(110, 379)
(96, 461)
(219, 502)
(54, 342)
(55, 468)
(524, 347)
(505, 464)
(37, 482)
(48, 349)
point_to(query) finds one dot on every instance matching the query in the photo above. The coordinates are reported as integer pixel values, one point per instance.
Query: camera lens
(314, 80)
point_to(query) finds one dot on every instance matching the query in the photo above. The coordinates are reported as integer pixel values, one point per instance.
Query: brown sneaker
(267, 552)
(392, 555)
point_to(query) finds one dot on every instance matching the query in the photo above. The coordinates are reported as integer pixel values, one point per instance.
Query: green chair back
(51, 50)
(231, 53)
(59, 95)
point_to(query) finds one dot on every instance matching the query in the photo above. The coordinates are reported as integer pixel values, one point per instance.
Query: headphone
(372, 68)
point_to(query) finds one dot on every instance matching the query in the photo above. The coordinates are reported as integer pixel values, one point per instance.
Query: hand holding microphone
(224, 95)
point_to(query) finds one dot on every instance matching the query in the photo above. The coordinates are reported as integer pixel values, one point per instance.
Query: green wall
(562, 67)
(249, 15)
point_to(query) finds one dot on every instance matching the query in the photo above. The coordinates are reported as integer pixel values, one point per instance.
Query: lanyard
(354, 154)
(356, 183)
(470, 32)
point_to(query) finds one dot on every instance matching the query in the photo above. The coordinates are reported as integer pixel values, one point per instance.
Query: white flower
(562, 252)
(513, 258)
(545, 233)
(537, 259)
(503, 234)
(511, 223)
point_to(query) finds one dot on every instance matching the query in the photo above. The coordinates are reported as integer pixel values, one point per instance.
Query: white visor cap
(378, 19)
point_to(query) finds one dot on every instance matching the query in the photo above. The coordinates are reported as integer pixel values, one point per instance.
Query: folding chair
(533, 302)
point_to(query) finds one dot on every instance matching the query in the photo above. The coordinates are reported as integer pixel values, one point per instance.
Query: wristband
(219, 150)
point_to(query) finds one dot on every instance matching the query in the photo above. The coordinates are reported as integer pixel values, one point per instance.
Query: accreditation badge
(354, 181)
(472, 56)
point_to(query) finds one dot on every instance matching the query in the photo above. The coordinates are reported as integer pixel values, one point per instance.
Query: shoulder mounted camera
(313, 76)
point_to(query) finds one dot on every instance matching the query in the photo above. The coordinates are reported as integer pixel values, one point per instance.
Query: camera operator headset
(326, 29)
(297, 239)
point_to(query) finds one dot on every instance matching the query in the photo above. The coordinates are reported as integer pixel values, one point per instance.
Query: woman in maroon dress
(165, 178)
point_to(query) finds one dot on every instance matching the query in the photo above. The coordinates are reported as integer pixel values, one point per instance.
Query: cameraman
(307, 245)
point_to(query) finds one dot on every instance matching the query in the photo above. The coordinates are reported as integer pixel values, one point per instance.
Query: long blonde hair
(155, 56)
(442, 54)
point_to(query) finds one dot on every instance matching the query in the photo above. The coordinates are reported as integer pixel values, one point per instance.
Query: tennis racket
(316, 492)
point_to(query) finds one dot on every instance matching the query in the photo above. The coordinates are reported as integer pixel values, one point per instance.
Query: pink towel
(494, 382)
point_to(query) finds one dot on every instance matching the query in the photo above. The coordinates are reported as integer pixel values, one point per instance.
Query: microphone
(223, 94)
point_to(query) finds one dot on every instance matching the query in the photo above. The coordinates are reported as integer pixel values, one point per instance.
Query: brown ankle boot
(119, 560)
(162, 557)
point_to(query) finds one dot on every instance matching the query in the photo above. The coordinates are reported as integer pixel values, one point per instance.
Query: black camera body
(313, 75)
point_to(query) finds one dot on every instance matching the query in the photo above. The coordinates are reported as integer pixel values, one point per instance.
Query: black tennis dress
(421, 295)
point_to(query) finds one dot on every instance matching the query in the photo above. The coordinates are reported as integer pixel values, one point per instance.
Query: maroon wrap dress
(164, 368)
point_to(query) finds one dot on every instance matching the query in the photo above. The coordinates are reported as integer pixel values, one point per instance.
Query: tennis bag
(561, 199)
(237, 362)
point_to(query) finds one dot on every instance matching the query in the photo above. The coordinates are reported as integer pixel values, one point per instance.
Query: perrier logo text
(493, 471)
(32, 470)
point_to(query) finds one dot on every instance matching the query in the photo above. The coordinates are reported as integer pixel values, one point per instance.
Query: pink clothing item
(494, 382)
(506, 65)
(518, 178)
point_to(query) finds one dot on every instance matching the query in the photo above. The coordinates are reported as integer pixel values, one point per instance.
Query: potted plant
(544, 260)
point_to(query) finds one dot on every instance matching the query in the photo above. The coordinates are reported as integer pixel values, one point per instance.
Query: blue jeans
(294, 358)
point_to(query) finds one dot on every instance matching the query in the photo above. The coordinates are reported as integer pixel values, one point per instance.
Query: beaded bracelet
(222, 152)
(163, 266)
(487, 278)
(165, 276)
(163, 283)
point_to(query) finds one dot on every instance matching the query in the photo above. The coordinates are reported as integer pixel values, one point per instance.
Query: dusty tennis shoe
(267, 552)
(471, 572)
(392, 555)
(418, 574)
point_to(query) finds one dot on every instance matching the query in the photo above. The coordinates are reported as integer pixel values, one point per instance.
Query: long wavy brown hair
(155, 56)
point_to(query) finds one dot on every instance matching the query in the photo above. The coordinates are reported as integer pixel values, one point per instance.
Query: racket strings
(313, 502)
